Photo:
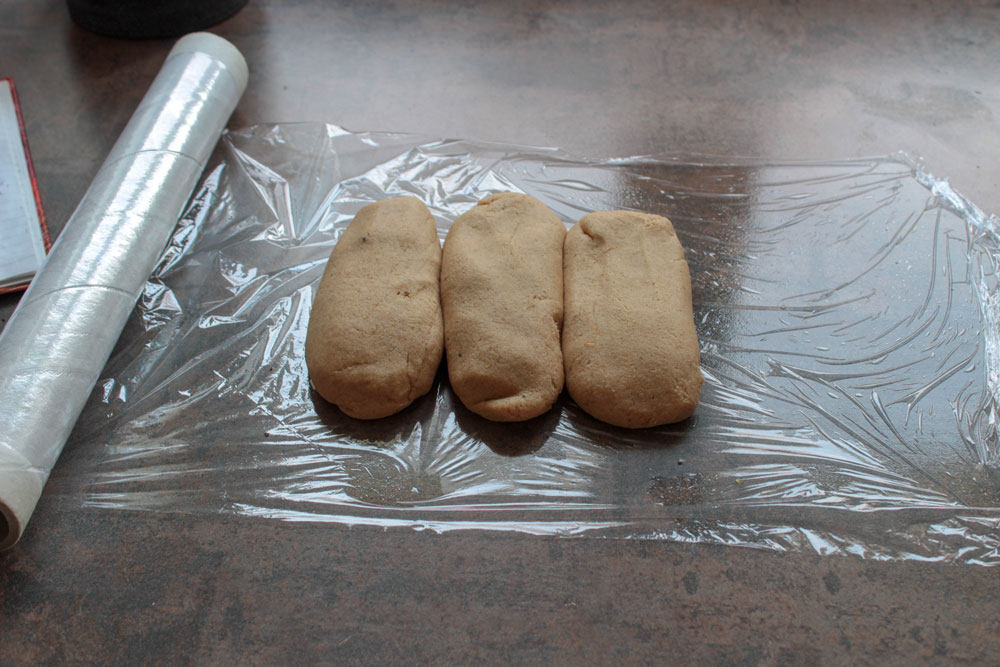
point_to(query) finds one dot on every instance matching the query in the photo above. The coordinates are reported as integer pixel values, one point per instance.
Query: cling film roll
(53, 348)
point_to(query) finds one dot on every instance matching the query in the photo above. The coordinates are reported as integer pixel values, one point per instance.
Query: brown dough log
(502, 294)
(376, 336)
(629, 341)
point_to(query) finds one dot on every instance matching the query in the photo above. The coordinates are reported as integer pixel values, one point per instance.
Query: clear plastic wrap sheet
(847, 313)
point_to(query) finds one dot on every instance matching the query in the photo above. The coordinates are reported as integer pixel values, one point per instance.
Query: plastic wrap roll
(55, 345)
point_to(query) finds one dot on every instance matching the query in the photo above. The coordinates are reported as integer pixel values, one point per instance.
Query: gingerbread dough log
(376, 336)
(629, 341)
(502, 294)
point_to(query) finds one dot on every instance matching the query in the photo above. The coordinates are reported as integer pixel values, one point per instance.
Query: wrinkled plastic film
(847, 315)
(53, 348)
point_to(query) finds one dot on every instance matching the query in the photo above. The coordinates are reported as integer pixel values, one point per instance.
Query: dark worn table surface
(775, 79)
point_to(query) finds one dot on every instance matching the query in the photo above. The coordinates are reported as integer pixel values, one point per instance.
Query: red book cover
(46, 240)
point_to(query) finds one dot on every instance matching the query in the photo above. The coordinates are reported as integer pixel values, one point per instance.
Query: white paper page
(21, 247)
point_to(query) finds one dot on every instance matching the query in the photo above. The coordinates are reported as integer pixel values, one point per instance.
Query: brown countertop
(774, 79)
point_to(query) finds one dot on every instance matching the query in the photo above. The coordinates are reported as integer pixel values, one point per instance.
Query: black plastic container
(150, 19)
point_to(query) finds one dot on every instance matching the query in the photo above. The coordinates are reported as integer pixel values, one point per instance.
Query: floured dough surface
(502, 294)
(629, 341)
(376, 335)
